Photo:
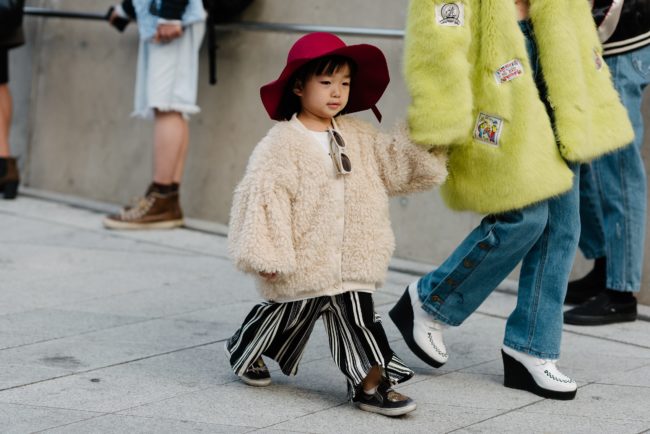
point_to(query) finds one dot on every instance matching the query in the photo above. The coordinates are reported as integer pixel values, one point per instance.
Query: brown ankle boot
(154, 211)
(9, 177)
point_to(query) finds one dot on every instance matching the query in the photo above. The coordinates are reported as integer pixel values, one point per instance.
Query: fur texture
(450, 74)
(284, 213)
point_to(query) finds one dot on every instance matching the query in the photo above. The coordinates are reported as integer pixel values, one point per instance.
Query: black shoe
(592, 284)
(257, 374)
(384, 401)
(602, 310)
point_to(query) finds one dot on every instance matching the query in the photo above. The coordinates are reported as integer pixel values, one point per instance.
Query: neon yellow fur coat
(470, 80)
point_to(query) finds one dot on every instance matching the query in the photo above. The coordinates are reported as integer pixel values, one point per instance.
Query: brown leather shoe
(154, 211)
(9, 177)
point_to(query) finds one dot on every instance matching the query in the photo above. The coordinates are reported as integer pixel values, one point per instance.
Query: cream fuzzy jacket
(292, 214)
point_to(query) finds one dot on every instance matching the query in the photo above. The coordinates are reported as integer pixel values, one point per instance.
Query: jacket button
(436, 299)
(467, 263)
(483, 246)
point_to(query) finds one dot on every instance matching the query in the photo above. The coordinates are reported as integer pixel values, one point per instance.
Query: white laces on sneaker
(141, 208)
(552, 372)
(257, 367)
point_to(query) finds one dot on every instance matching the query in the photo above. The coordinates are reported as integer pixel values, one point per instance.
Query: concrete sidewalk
(122, 332)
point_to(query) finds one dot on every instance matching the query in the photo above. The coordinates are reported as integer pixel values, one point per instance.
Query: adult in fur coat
(519, 105)
(310, 220)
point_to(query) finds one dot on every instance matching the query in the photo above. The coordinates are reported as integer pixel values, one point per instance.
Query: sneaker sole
(254, 383)
(168, 224)
(391, 412)
(404, 323)
(599, 320)
(516, 376)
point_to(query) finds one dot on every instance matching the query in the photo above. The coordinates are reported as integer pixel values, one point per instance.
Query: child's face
(323, 96)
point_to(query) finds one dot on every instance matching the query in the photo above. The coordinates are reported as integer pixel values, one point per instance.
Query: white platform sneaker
(420, 331)
(539, 376)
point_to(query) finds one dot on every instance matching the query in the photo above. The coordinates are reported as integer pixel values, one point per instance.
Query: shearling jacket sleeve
(405, 167)
(437, 71)
(260, 232)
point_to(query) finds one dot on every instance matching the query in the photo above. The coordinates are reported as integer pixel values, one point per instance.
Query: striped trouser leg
(277, 330)
(358, 341)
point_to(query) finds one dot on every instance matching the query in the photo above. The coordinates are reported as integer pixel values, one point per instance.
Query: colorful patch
(450, 14)
(598, 59)
(488, 129)
(509, 71)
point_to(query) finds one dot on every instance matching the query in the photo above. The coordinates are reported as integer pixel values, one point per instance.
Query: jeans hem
(622, 287)
(438, 316)
(530, 351)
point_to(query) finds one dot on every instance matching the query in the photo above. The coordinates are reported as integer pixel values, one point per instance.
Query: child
(310, 220)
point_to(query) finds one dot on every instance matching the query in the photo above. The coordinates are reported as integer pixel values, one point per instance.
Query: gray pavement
(122, 332)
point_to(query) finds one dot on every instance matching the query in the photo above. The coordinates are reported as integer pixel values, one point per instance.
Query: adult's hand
(167, 32)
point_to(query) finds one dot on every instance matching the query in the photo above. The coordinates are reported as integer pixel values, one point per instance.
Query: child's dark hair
(326, 65)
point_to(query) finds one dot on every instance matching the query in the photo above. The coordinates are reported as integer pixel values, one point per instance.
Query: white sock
(370, 391)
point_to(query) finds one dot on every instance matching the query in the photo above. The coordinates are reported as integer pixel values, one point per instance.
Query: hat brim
(370, 80)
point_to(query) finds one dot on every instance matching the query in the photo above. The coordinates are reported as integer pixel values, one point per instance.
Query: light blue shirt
(147, 23)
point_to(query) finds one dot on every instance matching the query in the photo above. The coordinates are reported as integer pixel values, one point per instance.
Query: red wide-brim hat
(370, 80)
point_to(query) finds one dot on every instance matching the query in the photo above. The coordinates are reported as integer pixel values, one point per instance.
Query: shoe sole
(391, 412)
(599, 320)
(168, 224)
(516, 376)
(404, 323)
(254, 383)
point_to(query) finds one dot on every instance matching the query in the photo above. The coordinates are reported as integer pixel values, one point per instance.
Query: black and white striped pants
(356, 336)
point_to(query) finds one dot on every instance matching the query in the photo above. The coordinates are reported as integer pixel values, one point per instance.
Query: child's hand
(167, 32)
(269, 276)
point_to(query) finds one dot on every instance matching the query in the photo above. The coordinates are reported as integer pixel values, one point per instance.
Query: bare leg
(169, 141)
(372, 379)
(5, 119)
(180, 165)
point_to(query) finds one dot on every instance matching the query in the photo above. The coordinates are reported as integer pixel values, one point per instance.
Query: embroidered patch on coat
(450, 14)
(598, 59)
(488, 129)
(509, 71)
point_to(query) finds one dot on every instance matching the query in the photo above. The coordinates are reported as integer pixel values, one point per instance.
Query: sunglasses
(337, 146)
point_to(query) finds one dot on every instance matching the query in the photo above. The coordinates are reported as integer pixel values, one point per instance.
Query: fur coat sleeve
(403, 166)
(260, 231)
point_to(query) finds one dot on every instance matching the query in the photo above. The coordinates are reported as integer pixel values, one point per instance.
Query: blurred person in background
(11, 36)
(171, 32)
(613, 189)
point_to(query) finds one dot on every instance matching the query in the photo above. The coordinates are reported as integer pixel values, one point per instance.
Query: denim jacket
(148, 12)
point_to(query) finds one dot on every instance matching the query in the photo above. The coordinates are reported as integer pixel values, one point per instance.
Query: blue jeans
(543, 237)
(613, 188)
